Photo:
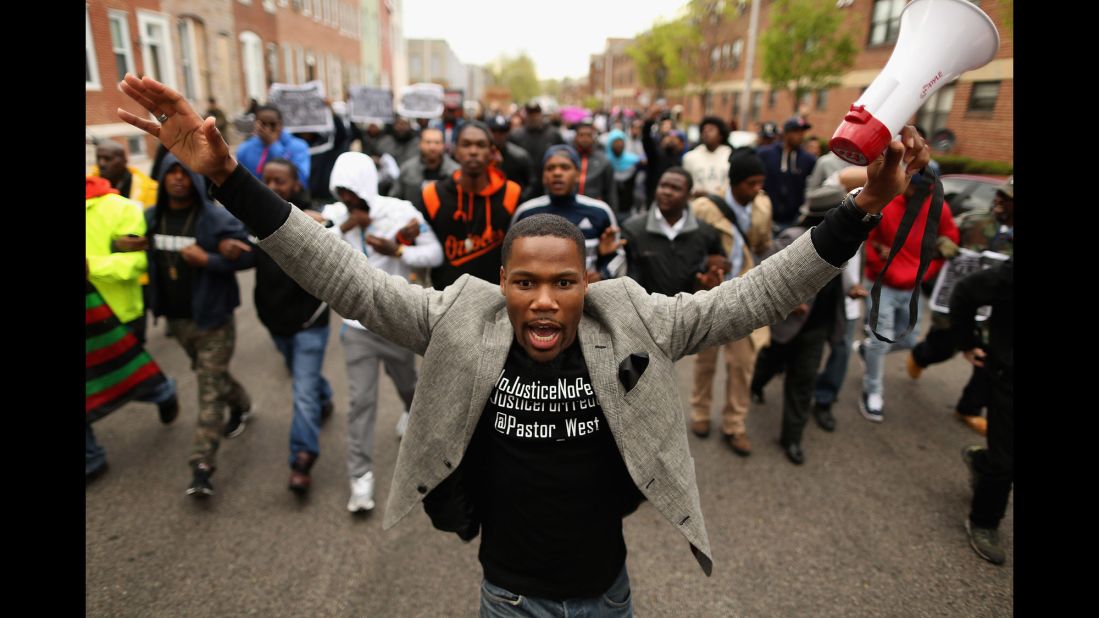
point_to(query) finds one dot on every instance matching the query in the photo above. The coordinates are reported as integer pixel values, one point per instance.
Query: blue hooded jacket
(214, 290)
(623, 165)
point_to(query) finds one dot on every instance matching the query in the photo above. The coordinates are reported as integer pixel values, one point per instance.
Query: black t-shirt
(551, 487)
(175, 293)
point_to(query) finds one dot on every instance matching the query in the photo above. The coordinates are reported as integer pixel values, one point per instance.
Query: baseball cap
(533, 106)
(769, 129)
(1008, 188)
(796, 123)
(498, 123)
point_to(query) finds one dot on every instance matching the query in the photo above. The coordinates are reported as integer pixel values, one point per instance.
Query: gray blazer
(464, 334)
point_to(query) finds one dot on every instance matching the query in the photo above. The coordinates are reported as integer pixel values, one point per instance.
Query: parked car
(966, 192)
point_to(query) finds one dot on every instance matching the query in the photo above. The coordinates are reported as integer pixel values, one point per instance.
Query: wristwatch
(863, 216)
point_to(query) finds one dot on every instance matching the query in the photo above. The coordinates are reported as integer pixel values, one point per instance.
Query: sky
(559, 35)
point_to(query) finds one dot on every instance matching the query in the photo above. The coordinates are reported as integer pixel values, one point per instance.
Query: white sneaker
(402, 424)
(871, 406)
(362, 493)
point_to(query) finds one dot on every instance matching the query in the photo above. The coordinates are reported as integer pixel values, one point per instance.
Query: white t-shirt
(709, 170)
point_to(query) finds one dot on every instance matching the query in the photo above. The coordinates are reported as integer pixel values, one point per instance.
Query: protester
(470, 210)
(768, 134)
(388, 232)
(450, 124)
(604, 256)
(896, 285)
(272, 141)
(112, 164)
(596, 178)
(980, 230)
(813, 146)
(504, 448)
(708, 163)
(797, 342)
(662, 151)
(512, 160)
(992, 469)
(401, 143)
(323, 150)
(669, 250)
(114, 251)
(742, 216)
(212, 110)
(535, 137)
(626, 166)
(194, 287)
(788, 167)
(825, 167)
(298, 325)
(432, 164)
(830, 379)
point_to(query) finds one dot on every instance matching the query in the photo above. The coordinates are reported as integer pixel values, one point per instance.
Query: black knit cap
(743, 165)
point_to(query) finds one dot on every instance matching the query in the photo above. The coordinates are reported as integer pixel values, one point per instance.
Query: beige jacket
(463, 333)
(759, 241)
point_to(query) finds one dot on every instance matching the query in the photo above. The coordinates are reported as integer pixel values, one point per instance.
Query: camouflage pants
(210, 352)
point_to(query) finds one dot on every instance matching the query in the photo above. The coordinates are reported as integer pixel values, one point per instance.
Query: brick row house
(978, 107)
(231, 50)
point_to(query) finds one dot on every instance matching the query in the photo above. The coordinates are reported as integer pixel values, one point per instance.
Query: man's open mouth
(543, 335)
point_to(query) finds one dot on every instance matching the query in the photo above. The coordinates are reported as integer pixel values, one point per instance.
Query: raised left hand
(609, 241)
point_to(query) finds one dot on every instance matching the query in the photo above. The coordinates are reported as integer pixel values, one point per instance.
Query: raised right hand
(194, 141)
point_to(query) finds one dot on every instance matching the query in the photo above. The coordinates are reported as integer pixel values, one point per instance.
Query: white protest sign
(421, 101)
(965, 263)
(303, 107)
(371, 105)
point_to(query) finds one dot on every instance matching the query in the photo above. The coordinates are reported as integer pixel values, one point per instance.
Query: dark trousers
(799, 358)
(994, 466)
(938, 347)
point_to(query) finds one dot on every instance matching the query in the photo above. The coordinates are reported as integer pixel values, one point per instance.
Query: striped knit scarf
(117, 368)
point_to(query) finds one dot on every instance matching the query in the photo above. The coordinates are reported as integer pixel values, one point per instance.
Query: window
(318, 10)
(414, 67)
(156, 47)
(288, 62)
(136, 145)
(304, 5)
(738, 49)
(299, 64)
(335, 77)
(757, 103)
(272, 63)
(885, 21)
(188, 59)
(437, 69)
(246, 2)
(822, 100)
(715, 58)
(251, 56)
(736, 107)
(983, 97)
(310, 66)
(269, 6)
(91, 67)
(932, 116)
(771, 97)
(284, 3)
(120, 43)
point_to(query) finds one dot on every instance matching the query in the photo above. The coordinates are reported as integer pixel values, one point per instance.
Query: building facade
(230, 50)
(432, 60)
(977, 108)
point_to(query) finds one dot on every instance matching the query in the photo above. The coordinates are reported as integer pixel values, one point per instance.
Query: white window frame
(127, 48)
(89, 54)
(187, 30)
(306, 9)
(255, 75)
(246, 2)
(318, 10)
(299, 64)
(269, 6)
(168, 73)
(284, 3)
(335, 78)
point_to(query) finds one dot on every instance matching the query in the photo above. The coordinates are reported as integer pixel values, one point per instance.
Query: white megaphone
(938, 41)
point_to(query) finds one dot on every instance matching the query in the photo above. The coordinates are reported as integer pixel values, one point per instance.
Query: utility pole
(749, 65)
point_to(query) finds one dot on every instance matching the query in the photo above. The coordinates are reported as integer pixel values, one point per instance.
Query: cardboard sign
(421, 101)
(371, 105)
(303, 107)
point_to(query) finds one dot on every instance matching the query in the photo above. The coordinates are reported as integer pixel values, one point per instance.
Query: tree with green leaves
(656, 56)
(518, 74)
(805, 47)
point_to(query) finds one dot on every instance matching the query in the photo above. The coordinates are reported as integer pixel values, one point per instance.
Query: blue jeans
(830, 380)
(892, 318)
(496, 602)
(304, 354)
(94, 455)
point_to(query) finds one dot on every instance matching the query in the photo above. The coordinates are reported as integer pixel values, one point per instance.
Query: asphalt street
(871, 525)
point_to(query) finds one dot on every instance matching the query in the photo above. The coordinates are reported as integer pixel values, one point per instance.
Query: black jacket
(665, 266)
(536, 142)
(214, 291)
(995, 287)
(281, 304)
